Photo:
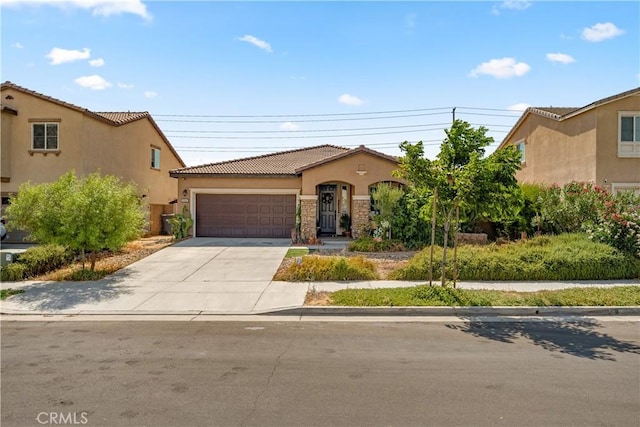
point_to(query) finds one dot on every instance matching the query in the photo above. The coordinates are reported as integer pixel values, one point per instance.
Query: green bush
(321, 268)
(409, 224)
(44, 258)
(369, 244)
(13, 272)
(563, 257)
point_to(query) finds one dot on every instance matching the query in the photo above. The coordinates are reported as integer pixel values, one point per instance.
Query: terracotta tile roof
(120, 118)
(282, 163)
(553, 112)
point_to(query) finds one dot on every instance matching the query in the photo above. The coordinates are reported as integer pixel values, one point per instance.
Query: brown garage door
(245, 215)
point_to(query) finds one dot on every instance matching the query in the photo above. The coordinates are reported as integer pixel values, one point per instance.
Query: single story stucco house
(259, 196)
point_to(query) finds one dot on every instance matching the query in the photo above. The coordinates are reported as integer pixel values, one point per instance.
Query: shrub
(44, 258)
(564, 257)
(567, 209)
(320, 268)
(370, 244)
(619, 224)
(407, 222)
(13, 272)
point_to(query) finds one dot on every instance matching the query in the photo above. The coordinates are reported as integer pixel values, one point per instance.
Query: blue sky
(342, 73)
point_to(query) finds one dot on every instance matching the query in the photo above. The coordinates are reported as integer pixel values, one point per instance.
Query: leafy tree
(87, 214)
(461, 180)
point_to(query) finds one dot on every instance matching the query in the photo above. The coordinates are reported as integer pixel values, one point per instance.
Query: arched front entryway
(333, 205)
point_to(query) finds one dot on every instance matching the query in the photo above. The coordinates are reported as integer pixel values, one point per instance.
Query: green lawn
(297, 252)
(446, 296)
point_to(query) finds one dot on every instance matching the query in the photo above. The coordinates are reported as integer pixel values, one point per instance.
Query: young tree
(385, 197)
(464, 180)
(84, 214)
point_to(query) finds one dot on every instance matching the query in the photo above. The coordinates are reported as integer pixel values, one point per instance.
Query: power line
(304, 120)
(247, 116)
(300, 115)
(322, 130)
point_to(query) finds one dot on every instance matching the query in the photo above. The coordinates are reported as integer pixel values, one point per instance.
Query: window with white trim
(630, 128)
(155, 158)
(629, 134)
(44, 136)
(521, 148)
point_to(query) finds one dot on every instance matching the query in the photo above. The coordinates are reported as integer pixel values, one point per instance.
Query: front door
(328, 209)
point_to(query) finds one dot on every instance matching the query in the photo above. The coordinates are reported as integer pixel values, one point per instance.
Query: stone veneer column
(360, 208)
(308, 210)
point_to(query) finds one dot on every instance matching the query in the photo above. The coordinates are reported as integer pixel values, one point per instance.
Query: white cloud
(125, 86)
(519, 107)
(350, 100)
(60, 56)
(601, 31)
(511, 5)
(96, 62)
(503, 68)
(17, 45)
(289, 126)
(94, 82)
(560, 57)
(97, 7)
(256, 42)
(150, 94)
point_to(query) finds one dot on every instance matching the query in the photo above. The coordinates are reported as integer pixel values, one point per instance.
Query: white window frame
(628, 148)
(155, 157)
(523, 151)
(45, 124)
(616, 187)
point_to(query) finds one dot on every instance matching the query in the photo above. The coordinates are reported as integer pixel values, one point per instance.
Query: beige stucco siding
(85, 144)
(610, 166)
(360, 170)
(5, 149)
(557, 152)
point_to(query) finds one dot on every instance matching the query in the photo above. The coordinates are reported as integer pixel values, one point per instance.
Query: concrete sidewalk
(210, 276)
(111, 296)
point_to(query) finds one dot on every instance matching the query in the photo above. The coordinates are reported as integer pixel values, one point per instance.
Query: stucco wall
(581, 148)
(610, 166)
(86, 145)
(557, 152)
(346, 170)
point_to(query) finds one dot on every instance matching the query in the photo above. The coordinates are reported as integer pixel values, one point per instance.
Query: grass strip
(6, 293)
(426, 295)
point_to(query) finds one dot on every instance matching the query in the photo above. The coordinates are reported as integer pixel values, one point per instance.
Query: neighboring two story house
(43, 138)
(599, 143)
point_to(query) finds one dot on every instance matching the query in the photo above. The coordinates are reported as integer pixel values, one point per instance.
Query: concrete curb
(458, 311)
(320, 311)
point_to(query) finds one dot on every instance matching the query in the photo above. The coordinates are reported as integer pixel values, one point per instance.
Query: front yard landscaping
(563, 257)
(447, 296)
(69, 268)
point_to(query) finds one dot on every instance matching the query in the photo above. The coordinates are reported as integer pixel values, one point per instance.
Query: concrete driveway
(211, 275)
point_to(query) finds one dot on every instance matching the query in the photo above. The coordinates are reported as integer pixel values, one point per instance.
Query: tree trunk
(455, 246)
(93, 257)
(433, 235)
(447, 224)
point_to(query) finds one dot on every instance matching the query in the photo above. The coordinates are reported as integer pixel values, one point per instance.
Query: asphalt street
(449, 373)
